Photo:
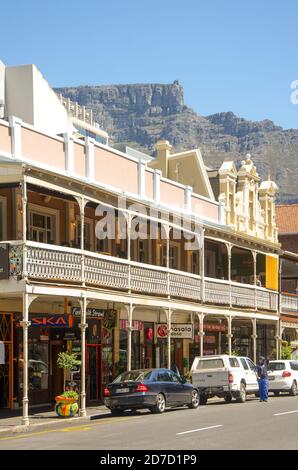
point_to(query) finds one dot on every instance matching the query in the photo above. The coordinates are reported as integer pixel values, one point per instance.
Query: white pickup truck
(224, 376)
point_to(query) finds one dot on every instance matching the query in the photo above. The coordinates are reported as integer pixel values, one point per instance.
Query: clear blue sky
(229, 55)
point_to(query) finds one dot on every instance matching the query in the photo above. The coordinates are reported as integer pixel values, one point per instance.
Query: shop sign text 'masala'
(178, 330)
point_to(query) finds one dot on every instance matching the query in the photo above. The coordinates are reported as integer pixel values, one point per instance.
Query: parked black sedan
(155, 389)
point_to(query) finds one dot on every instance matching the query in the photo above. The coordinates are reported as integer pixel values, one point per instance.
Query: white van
(224, 376)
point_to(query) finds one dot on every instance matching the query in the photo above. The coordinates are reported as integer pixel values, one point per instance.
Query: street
(252, 425)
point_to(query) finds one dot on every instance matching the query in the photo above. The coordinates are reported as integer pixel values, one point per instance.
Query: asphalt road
(252, 425)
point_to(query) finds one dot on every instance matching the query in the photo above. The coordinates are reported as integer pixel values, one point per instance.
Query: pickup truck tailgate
(211, 378)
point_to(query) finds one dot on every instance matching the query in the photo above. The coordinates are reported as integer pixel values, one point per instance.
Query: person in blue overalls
(262, 379)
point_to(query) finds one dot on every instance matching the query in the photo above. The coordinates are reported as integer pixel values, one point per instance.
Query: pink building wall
(149, 184)
(79, 157)
(110, 168)
(43, 149)
(5, 141)
(171, 195)
(115, 170)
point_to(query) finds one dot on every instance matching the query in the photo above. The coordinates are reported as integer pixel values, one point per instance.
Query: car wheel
(194, 400)
(276, 394)
(160, 404)
(117, 411)
(203, 400)
(293, 390)
(228, 397)
(242, 394)
(257, 395)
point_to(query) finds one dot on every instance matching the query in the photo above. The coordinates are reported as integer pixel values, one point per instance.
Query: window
(244, 363)
(251, 364)
(294, 365)
(195, 258)
(3, 221)
(234, 362)
(133, 376)
(88, 239)
(174, 377)
(174, 255)
(276, 366)
(163, 377)
(42, 227)
(210, 364)
(210, 263)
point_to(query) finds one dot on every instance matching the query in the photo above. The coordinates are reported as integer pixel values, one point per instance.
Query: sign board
(90, 312)
(178, 330)
(137, 325)
(56, 321)
(214, 327)
(4, 262)
(2, 353)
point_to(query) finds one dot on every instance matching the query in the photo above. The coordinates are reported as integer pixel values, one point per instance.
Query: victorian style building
(122, 301)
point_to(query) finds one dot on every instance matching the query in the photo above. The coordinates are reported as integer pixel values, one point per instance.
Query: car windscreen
(133, 376)
(276, 366)
(215, 363)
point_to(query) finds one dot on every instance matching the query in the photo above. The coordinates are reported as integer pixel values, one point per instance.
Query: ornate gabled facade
(249, 204)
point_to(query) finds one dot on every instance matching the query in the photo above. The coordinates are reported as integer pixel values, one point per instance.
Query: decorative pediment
(268, 187)
(248, 169)
(228, 168)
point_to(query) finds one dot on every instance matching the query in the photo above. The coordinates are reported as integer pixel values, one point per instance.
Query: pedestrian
(262, 379)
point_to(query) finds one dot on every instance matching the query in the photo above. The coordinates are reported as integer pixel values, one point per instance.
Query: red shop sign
(137, 325)
(214, 327)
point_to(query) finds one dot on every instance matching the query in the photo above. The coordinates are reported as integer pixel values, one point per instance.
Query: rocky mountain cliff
(139, 114)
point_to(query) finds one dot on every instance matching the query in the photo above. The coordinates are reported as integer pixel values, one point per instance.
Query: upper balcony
(69, 266)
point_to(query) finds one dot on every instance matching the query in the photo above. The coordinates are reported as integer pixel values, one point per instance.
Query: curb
(20, 428)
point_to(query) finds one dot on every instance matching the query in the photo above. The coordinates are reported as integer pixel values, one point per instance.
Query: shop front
(266, 343)
(51, 334)
(143, 349)
(214, 340)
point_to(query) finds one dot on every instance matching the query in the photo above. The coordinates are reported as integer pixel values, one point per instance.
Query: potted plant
(67, 402)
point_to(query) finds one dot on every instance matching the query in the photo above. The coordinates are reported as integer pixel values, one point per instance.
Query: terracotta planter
(66, 407)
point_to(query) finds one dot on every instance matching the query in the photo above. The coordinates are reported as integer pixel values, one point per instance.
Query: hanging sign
(178, 330)
(2, 353)
(56, 321)
(214, 327)
(137, 325)
(90, 312)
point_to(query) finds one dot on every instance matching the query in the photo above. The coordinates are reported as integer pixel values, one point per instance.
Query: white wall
(30, 97)
(49, 114)
(19, 92)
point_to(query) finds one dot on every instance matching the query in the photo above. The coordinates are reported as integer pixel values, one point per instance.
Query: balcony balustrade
(70, 265)
(289, 303)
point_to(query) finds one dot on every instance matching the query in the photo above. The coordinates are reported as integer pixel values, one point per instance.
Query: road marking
(286, 413)
(200, 429)
(82, 428)
(86, 427)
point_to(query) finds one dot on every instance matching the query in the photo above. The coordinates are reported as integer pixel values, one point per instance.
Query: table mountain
(139, 114)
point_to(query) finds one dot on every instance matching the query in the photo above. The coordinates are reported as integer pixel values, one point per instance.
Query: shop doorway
(177, 354)
(56, 372)
(6, 370)
(148, 356)
(94, 372)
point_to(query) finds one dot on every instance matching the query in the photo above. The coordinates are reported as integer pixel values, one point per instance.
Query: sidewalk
(11, 421)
